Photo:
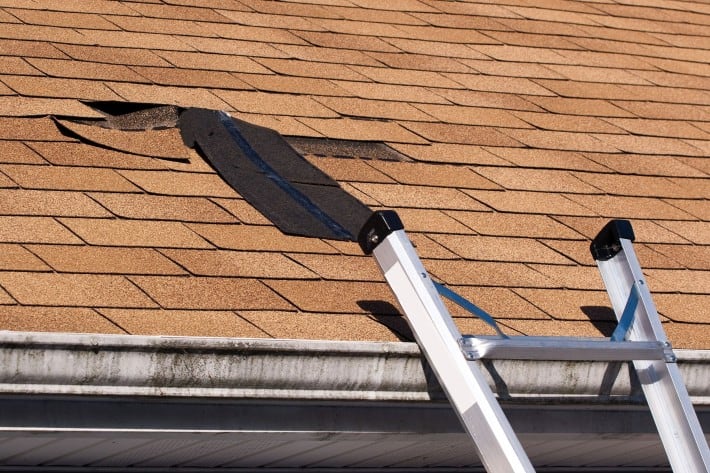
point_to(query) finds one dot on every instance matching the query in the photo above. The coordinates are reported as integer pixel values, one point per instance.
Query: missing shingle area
(257, 162)
(347, 149)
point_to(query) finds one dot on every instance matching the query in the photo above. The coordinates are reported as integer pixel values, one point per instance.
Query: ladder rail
(667, 397)
(465, 385)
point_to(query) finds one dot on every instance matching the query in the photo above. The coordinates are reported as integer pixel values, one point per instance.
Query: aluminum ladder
(639, 338)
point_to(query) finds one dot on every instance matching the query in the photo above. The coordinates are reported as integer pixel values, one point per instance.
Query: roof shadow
(389, 316)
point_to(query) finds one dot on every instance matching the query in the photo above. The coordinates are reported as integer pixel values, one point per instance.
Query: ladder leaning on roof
(639, 337)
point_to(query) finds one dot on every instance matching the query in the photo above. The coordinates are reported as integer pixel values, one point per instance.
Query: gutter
(120, 365)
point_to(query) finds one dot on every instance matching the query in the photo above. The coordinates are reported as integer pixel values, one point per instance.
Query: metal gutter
(119, 365)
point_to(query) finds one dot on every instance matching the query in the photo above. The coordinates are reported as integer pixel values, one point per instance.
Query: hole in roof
(346, 149)
(256, 161)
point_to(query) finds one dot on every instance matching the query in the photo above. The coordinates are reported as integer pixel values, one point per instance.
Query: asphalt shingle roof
(522, 126)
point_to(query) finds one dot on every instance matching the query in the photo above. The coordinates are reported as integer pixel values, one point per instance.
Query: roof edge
(98, 364)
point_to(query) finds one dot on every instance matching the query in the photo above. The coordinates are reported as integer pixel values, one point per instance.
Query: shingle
(463, 134)
(691, 257)
(34, 48)
(519, 225)
(15, 257)
(628, 207)
(134, 233)
(391, 92)
(40, 106)
(668, 111)
(519, 54)
(48, 202)
(561, 328)
(180, 183)
(110, 55)
(104, 260)
(536, 179)
(397, 195)
(212, 62)
(663, 128)
(80, 154)
(645, 231)
(60, 88)
(34, 230)
(17, 66)
(175, 292)
(528, 202)
(498, 248)
(301, 68)
(346, 41)
(684, 307)
(571, 304)
(336, 297)
(6, 182)
(545, 158)
(420, 62)
(647, 145)
(486, 273)
(5, 298)
(562, 140)
(55, 319)
(502, 304)
(679, 280)
(428, 249)
(352, 170)
(697, 208)
(430, 221)
(78, 290)
(153, 207)
(473, 116)
(649, 186)
(510, 69)
(645, 164)
(67, 178)
(322, 326)
(16, 152)
(449, 153)
(179, 11)
(244, 211)
(186, 323)
(85, 70)
(322, 54)
(696, 232)
(439, 175)
(160, 25)
(570, 277)
(258, 238)
(579, 106)
(433, 48)
(171, 76)
(362, 130)
(30, 129)
(239, 263)
(278, 104)
(182, 96)
(558, 122)
(341, 267)
(506, 85)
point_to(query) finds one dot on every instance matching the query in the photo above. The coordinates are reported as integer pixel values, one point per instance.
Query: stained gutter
(119, 365)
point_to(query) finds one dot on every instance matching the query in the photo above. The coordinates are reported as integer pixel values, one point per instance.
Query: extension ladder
(639, 337)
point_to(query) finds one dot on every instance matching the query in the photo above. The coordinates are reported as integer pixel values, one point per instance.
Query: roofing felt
(505, 136)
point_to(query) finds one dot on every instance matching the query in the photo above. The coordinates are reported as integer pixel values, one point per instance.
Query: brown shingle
(486, 273)
(175, 292)
(244, 211)
(35, 48)
(16, 152)
(645, 164)
(110, 55)
(290, 325)
(180, 183)
(239, 263)
(571, 277)
(520, 225)
(67, 178)
(575, 106)
(430, 221)
(500, 303)
(473, 116)
(153, 207)
(357, 107)
(546, 158)
(645, 231)
(40, 106)
(628, 207)
(678, 280)
(104, 260)
(182, 96)
(212, 62)
(433, 175)
(154, 143)
(449, 153)
(571, 304)
(60, 88)
(340, 267)
(684, 307)
(345, 41)
(536, 180)
(55, 319)
(561, 328)
(558, 122)
(336, 297)
(506, 85)
(463, 134)
(186, 323)
(80, 154)
(258, 238)
(47, 202)
(562, 140)
(86, 70)
(397, 195)
(30, 129)
(696, 232)
(134, 233)
(16, 258)
(275, 104)
(362, 130)
(34, 230)
(484, 248)
(190, 77)
(616, 184)
(353, 170)
(647, 145)
(78, 290)
(420, 62)
(392, 92)
(529, 202)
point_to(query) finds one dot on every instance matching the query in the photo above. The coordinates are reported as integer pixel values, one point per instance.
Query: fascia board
(97, 364)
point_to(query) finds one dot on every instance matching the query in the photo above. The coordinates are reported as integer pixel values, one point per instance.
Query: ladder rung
(560, 349)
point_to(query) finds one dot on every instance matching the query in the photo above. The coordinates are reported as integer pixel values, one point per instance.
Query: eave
(228, 402)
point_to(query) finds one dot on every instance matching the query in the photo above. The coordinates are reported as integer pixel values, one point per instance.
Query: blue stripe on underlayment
(282, 183)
